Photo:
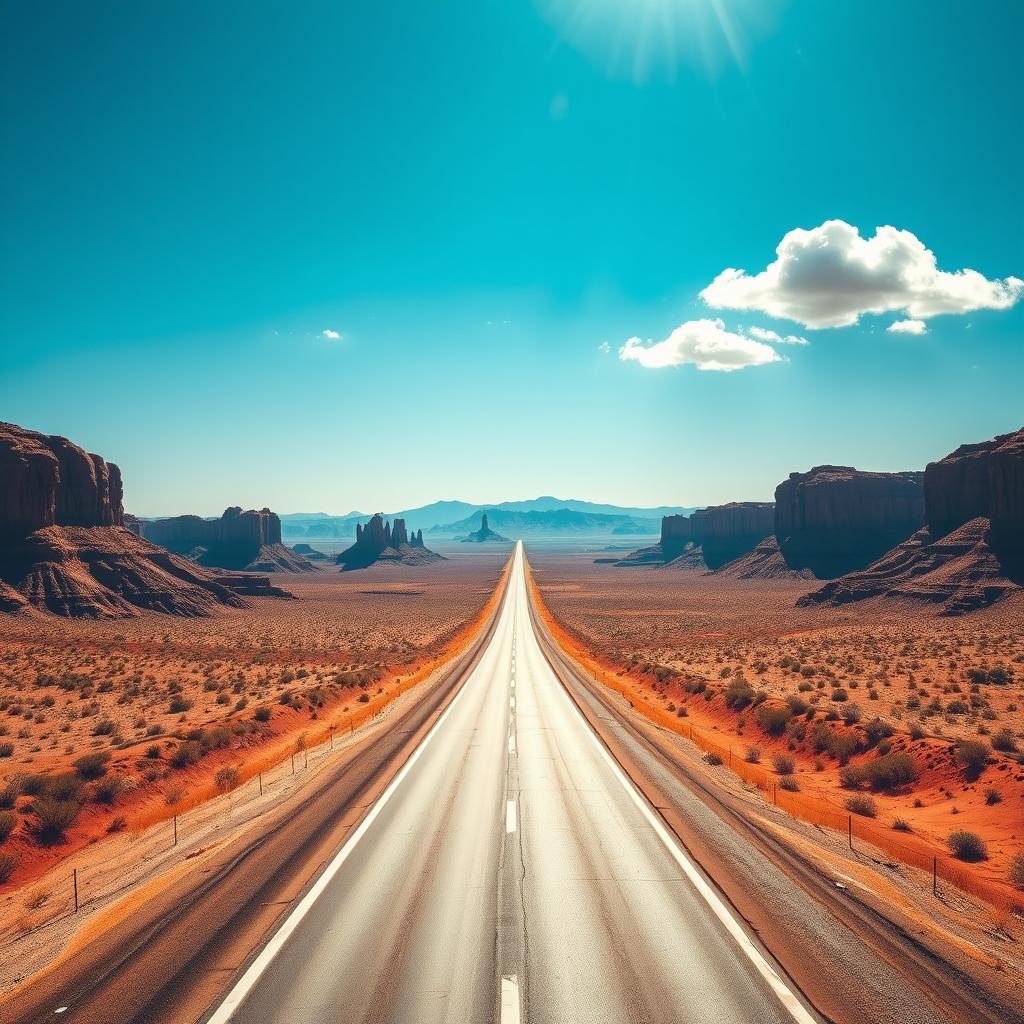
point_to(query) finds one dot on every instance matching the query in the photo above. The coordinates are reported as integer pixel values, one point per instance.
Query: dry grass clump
(967, 846)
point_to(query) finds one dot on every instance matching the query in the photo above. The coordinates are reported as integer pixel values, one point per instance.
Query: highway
(510, 872)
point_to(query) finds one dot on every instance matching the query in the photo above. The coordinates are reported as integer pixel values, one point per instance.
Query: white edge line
(241, 989)
(510, 816)
(785, 994)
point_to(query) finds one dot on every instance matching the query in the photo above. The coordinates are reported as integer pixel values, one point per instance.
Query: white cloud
(830, 276)
(909, 327)
(763, 334)
(704, 343)
(333, 335)
(604, 347)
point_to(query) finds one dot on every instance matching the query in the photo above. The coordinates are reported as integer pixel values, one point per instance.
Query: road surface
(510, 872)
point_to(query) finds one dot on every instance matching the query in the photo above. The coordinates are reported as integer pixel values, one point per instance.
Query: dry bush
(862, 804)
(967, 846)
(227, 778)
(783, 764)
(8, 822)
(54, 817)
(8, 864)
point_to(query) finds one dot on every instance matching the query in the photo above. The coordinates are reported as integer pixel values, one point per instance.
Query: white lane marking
(510, 1000)
(510, 816)
(511, 702)
(511, 743)
(234, 999)
(785, 995)
(61, 1009)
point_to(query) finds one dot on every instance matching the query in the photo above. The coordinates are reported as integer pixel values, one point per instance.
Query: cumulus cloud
(830, 276)
(705, 344)
(332, 335)
(908, 327)
(763, 334)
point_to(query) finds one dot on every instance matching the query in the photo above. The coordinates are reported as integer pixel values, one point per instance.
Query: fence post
(730, 757)
(293, 764)
(175, 830)
(775, 794)
(849, 829)
(935, 876)
(260, 776)
(306, 756)
(75, 878)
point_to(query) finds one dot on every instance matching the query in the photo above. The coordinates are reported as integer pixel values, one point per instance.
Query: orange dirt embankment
(294, 729)
(719, 731)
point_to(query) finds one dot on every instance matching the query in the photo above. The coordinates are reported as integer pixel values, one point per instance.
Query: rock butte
(64, 547)
(386, 543)
(248, 541)
(970, 552)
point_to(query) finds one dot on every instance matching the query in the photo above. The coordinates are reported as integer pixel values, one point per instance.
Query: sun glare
(644, 39)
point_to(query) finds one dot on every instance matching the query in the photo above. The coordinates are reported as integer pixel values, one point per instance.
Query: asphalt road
(510, 872)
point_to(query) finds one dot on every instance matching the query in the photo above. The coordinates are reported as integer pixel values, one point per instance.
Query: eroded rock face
(985, 479)
(725, 532)
(836, 519)
(47, 480)
(238, 540)
(675, 535)
(386, 543)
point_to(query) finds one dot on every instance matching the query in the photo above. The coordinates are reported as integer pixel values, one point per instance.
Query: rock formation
(49, 481)
(836, 519)
(709, 538)
(485, 535)
(725, 532)
(134, 524)
(969, 553)
(385, 543)
(310, 553)
(764, 562)
(63, 546)
(237, 541)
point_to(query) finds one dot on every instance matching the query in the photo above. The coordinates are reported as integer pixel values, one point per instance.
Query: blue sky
(486, 202)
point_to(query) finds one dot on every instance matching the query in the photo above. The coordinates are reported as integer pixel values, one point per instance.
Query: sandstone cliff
(238, 541)
(836, 519)
(63, 548)
(725, 532)
(970, 552)
(379, 542)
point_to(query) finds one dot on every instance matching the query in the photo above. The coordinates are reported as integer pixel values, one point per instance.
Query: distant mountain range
(537, 516)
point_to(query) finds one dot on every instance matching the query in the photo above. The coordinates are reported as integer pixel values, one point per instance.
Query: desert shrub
(1016, 874)
(153, 751)
(92, 766)
(851, 776)
(104, 727)
(8, 864)
(364, 698)
(108, 789)
(262, 714)
(774, 719)
(972, 755)
(1004, 741)
(738, 694)
(6, 749)
(119, 824)
(839, 695)
(186, 753)
(227, 778)
(54, 817)
(862, 804)
(753, 755)
(712, 758)
(783, 764)
(797, 704)
(967, 846)
(681, 712)
(916, 732)
(790, 783)
(178, 705)
(9, 795)
(890, 770)
(173, 795)
(899, 825)
(876, 731)
(993, 796)
(851, 714)
(8, 821)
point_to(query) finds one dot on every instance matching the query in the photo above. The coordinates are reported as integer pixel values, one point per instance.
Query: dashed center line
(510, 1000)
(510, 816)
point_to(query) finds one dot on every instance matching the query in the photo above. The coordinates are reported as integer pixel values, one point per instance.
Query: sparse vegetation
(862, 804)
(968, 846)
